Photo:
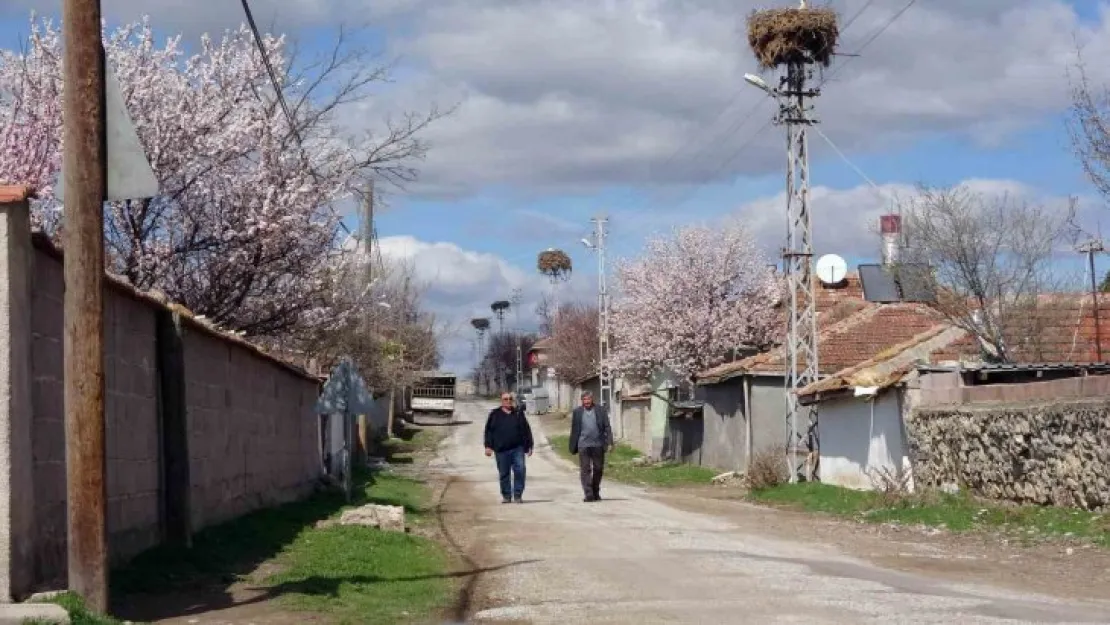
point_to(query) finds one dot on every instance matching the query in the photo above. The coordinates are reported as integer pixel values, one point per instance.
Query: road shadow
(200, 601)
(531, 501)
(175, 580)
(441, 424)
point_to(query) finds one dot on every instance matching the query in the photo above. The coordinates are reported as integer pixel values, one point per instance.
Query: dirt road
(633, 559)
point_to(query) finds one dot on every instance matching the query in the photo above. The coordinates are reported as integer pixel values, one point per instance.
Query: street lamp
(761, 84)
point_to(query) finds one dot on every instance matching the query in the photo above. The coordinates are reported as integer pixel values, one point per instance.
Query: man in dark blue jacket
(509, 439)
(590, 437)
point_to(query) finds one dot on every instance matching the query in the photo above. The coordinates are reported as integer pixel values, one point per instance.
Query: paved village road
(630, 559)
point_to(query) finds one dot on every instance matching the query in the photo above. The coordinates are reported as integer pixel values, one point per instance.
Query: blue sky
(574, 107)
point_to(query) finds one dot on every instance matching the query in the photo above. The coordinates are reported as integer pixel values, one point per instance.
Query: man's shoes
(597, 496)
(518, 499)
(588, 499)
(506, 500)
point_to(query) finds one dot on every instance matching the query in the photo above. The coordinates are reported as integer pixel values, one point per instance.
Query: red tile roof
(845, 343)
(15, 193)
(888, 367)
(833, 303)
(1060, 330)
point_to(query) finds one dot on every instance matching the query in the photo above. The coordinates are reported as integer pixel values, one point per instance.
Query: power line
(824, 79)
(270, 70)
(846, 159)
(742, 121)
(278, 92)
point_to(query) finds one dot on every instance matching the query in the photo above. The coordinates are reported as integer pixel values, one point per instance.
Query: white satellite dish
(831, 269)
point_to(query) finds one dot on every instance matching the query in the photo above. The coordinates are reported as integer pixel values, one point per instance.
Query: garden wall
(201, 426)
(1053, 453)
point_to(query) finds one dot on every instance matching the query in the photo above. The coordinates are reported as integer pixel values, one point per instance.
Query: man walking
(509, 439)
(590, 437)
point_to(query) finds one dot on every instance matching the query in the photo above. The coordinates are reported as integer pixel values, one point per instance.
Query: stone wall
(251, 439)
(1051, 453)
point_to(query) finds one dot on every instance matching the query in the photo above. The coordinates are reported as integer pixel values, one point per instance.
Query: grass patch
(364, 576)
(621, 466)
(958, 513)
(78, 613)
(356, 574)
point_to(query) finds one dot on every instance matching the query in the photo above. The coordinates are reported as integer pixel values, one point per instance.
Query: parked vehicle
(434, 394)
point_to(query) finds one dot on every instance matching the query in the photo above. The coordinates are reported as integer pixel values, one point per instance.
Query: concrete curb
(20, 613)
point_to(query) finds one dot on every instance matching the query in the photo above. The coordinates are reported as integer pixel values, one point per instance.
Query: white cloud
(845, 221)
(461, 284)
(575, 94)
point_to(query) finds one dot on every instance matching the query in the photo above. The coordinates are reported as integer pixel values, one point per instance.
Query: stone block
(386, 518)
(44, 613)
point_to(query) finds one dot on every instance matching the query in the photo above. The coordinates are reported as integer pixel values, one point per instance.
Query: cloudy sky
(638, 108)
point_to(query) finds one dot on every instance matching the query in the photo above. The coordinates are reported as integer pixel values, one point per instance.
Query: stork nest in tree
(554, 263)
(480, 323)
(784, 36)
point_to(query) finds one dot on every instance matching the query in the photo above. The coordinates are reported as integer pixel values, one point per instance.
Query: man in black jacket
(509, 438)
(590, 436)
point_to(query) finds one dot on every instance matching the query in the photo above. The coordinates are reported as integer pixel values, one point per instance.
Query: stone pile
(1048, 453)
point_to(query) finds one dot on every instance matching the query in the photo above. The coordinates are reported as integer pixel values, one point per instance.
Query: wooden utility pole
(366, 233)
(85, 187)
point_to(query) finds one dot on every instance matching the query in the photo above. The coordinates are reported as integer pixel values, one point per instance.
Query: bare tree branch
(992, 262)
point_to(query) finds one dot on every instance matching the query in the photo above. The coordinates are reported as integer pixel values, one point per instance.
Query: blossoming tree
(247, 213)
(692, 300)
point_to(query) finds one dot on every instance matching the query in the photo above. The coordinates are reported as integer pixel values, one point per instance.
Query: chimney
(891, 227)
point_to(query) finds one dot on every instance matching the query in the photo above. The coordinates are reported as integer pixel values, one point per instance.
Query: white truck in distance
(434, 394)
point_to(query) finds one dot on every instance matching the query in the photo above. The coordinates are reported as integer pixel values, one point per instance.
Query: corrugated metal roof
(885, 369)
(1016, 366)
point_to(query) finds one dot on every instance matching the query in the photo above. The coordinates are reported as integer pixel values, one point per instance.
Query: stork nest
(500, 305)
(785, 36)
(481, 323)
(554, 263)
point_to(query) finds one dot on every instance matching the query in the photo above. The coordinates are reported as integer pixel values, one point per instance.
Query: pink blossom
(243, 229)
(692, 300)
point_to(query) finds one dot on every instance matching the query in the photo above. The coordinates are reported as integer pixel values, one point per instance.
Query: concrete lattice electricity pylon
(796, 41)
(515, 301)
(596, 242)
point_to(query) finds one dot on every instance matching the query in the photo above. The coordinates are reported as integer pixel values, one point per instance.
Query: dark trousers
(510, 468)
(591, 465)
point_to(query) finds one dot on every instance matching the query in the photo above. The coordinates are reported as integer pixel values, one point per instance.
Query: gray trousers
(591, 465)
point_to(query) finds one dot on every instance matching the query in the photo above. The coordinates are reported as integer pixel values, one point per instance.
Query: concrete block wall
(252, 432)
(253, 440)
(131, 421)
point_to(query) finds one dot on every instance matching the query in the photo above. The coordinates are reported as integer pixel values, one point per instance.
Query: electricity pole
(1090, 249)
(515, 300)
(366, 233)
(85, 188)
(604, 372)
(793, 96)
(798, 261)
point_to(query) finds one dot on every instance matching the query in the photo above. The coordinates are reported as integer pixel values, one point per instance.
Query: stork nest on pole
(786, 36)
(554, 263)
(480, 324)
